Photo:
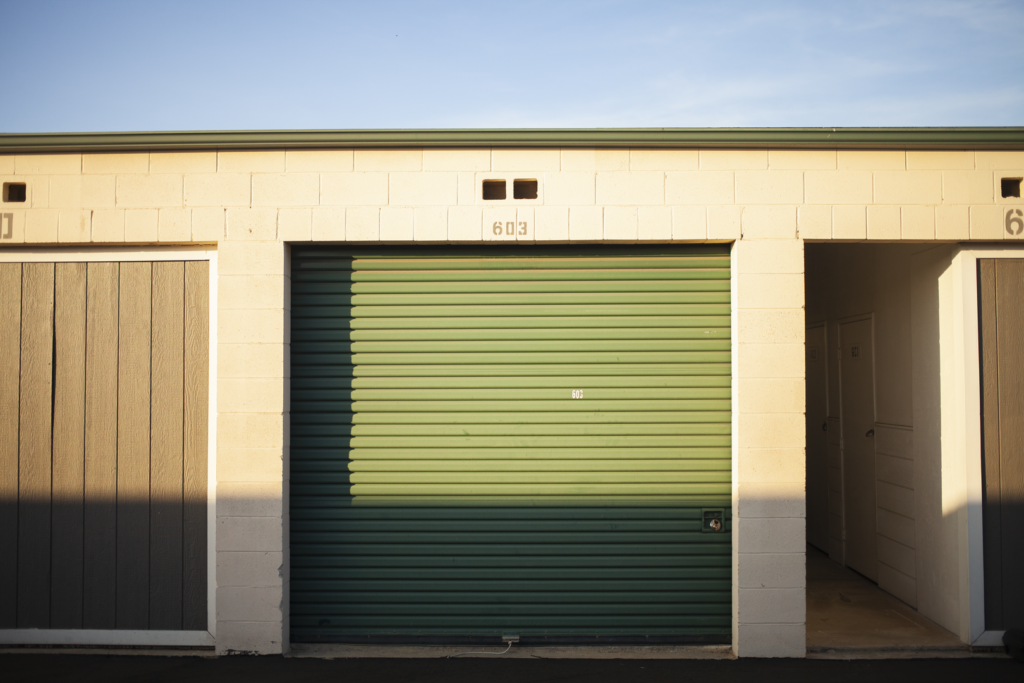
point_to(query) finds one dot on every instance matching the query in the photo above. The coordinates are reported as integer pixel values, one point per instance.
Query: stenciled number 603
(508, 228)
(1013, 220)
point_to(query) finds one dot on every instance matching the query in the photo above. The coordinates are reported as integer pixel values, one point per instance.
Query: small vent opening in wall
(494, 189)
(15, 192)
(524, 189)
(1011, 187)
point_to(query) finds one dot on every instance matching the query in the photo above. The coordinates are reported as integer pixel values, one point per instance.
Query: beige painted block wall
(252, 203)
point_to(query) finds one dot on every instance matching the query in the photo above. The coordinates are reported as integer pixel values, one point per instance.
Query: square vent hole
(15, 192)
(494, 189)
(524, 189)
(1011, 187)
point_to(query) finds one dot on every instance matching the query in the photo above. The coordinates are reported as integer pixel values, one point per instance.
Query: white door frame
(126, 637)
(967, 378)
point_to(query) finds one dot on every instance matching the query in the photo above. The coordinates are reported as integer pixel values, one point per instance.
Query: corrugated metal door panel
(510, 441)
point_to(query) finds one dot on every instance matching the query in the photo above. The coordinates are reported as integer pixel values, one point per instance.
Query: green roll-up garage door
(510, 441)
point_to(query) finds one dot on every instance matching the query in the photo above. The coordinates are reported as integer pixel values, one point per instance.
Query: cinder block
(552, 223)
(252, 395)
(329, 223)
(354, 189)
(770, 256)
(252, 224)
(767, 326)
(38, 188)
(47, 164)
(525, 160)
(250, 464)
(768, 361)
(255, 360)
(871, 160)
(389, 160)
(318, 161)
(149, 191)
(770, 464)
(251, 638)
(265, 161)
(952, 223)
(769, 187)
(424, 189)
(467, 188)
(500, 224)
(849, 223)
(252, 258)
(457, 160)
(788, 570)
(250, 499)
(663, 160)
(208, 225)
(362, 224)
(141, 225)
(585, 223)
(783, 395)
(465, 224)
(908, 187)
(296, 225)
(74, 225)
(769, 290)
(770, 499)
(75, 191)
(765, 640)
(967, 187)
(918, 222)
(218, 189)
(253, 292)
(526, 226)
(250, 534)
(108, 225)
(285, 189)
(655, 223)
(689, 222)
(137, 162)
(638, 188)
(620, 223)
(769, 535)
(838, 187)
(769, 222)
(6, 164)
(238, 325)
(774, 430)
(772, 605)
(700, 187)
(801, 159)
(595, 160)
(940, 160)
(183, 162)
(98, 191)
(884, 223)
(249, 569)
(396, 224)
(733, 159)
(814, 222)
(569, 189)
(724, 222)
(430, 224)
(987, 223)
(998, 160)
(175, 225)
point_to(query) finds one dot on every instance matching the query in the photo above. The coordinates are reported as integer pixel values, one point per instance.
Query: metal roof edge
(975, 138)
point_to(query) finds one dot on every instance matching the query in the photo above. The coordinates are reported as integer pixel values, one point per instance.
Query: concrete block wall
(252, 203)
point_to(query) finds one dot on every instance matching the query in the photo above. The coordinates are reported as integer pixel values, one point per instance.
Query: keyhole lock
(713, 521)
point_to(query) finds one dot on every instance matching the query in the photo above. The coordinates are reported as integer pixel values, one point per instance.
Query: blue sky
(155, 65)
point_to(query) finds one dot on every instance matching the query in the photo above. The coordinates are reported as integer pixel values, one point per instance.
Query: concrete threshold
(964, 652)
(353, 651)
(112, 650)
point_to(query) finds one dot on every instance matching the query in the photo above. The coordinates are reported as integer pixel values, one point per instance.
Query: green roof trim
(772, 138)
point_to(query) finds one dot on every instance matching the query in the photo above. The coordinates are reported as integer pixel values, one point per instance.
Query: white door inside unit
(817, 438)
(857, 406)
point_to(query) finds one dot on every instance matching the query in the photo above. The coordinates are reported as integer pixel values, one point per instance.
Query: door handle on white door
(870, 432)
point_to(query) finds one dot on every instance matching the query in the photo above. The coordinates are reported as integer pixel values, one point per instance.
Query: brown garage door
(104, 373)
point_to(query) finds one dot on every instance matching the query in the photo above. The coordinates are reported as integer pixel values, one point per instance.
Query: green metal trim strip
(773, 138)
